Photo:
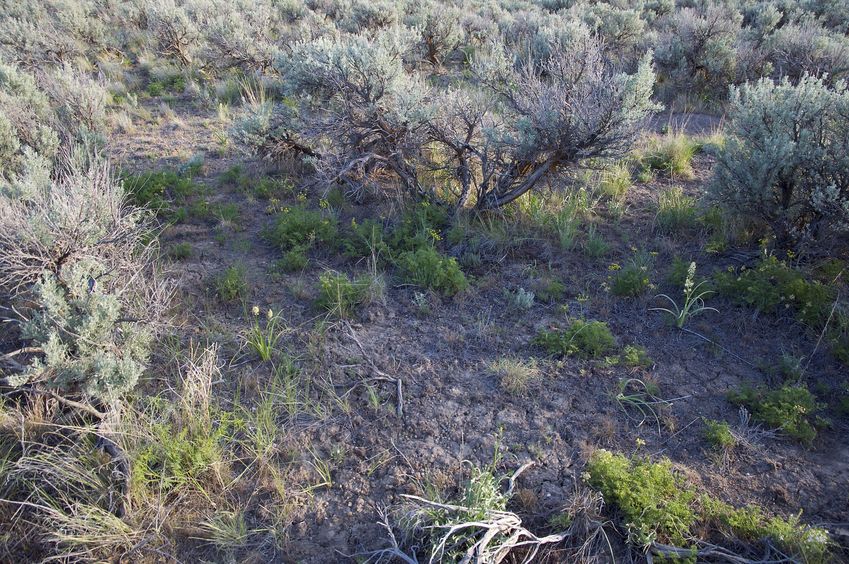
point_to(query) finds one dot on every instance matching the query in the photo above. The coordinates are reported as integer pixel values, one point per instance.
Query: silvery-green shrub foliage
(439, 28)
(371, 111)
(26, 118)
(786, 161)
(547, 118)
(698, 49)
(366, 113)
(34, 121)
(624, 31)
(806, 47)
(76, 262)
(41, 32)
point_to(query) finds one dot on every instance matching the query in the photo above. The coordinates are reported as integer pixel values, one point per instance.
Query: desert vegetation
(440, 281)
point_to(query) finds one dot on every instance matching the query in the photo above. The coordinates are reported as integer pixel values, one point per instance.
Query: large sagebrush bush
(806, 47)
(35, 119)
(25, 122)
(76, 262)
(364, 116)
(41, 33)
(785, 164)
(697, 51)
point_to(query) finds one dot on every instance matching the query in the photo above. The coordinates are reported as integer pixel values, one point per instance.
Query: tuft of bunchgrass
(515, 374)
(671, 154)
(675, 210)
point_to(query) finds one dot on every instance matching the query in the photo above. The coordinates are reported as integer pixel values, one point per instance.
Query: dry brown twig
(379, 376)
(709, 552)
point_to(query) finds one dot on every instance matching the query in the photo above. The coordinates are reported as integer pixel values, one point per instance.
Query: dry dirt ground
(454, 408)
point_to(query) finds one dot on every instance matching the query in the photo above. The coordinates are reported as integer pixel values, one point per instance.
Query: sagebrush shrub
(786, 161)
(697, 50)
(805, 47)
(79, 262)
(26, 123)
(529, 122)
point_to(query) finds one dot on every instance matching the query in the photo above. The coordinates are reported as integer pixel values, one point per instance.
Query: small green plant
(341, 296)
(225, 530)
(155, 89)
(615, 181)
(718, 435)
(453, 530)
(427, 268)
(594, 245)
(226, 213)
(264, 339)
(789, 367)
(630, 281)
(421, 301)
(659, 505)
(267, 188)
(803, 543)
(293, 260)
(773, 285)
(181, 441)
(677, 274)
(640, 401)
(551, 290)
(157, 190)
(693, 303)
(322, 469)
(634, 356)
(521, 299)
(301, 228)
(653, 499)
(231, 284)
(515, 374)
(180, 251)
(585, 339)
(234, 177)
(789, 408)
(366, 239)
(717, 224)
(420, 226)
(675, 210)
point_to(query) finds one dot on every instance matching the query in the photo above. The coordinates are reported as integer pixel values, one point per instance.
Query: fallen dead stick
(107, 445)
(399, 406)
(70, 403)
(122, 468)
(710, 550)
(714, 343)
(381, 376)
